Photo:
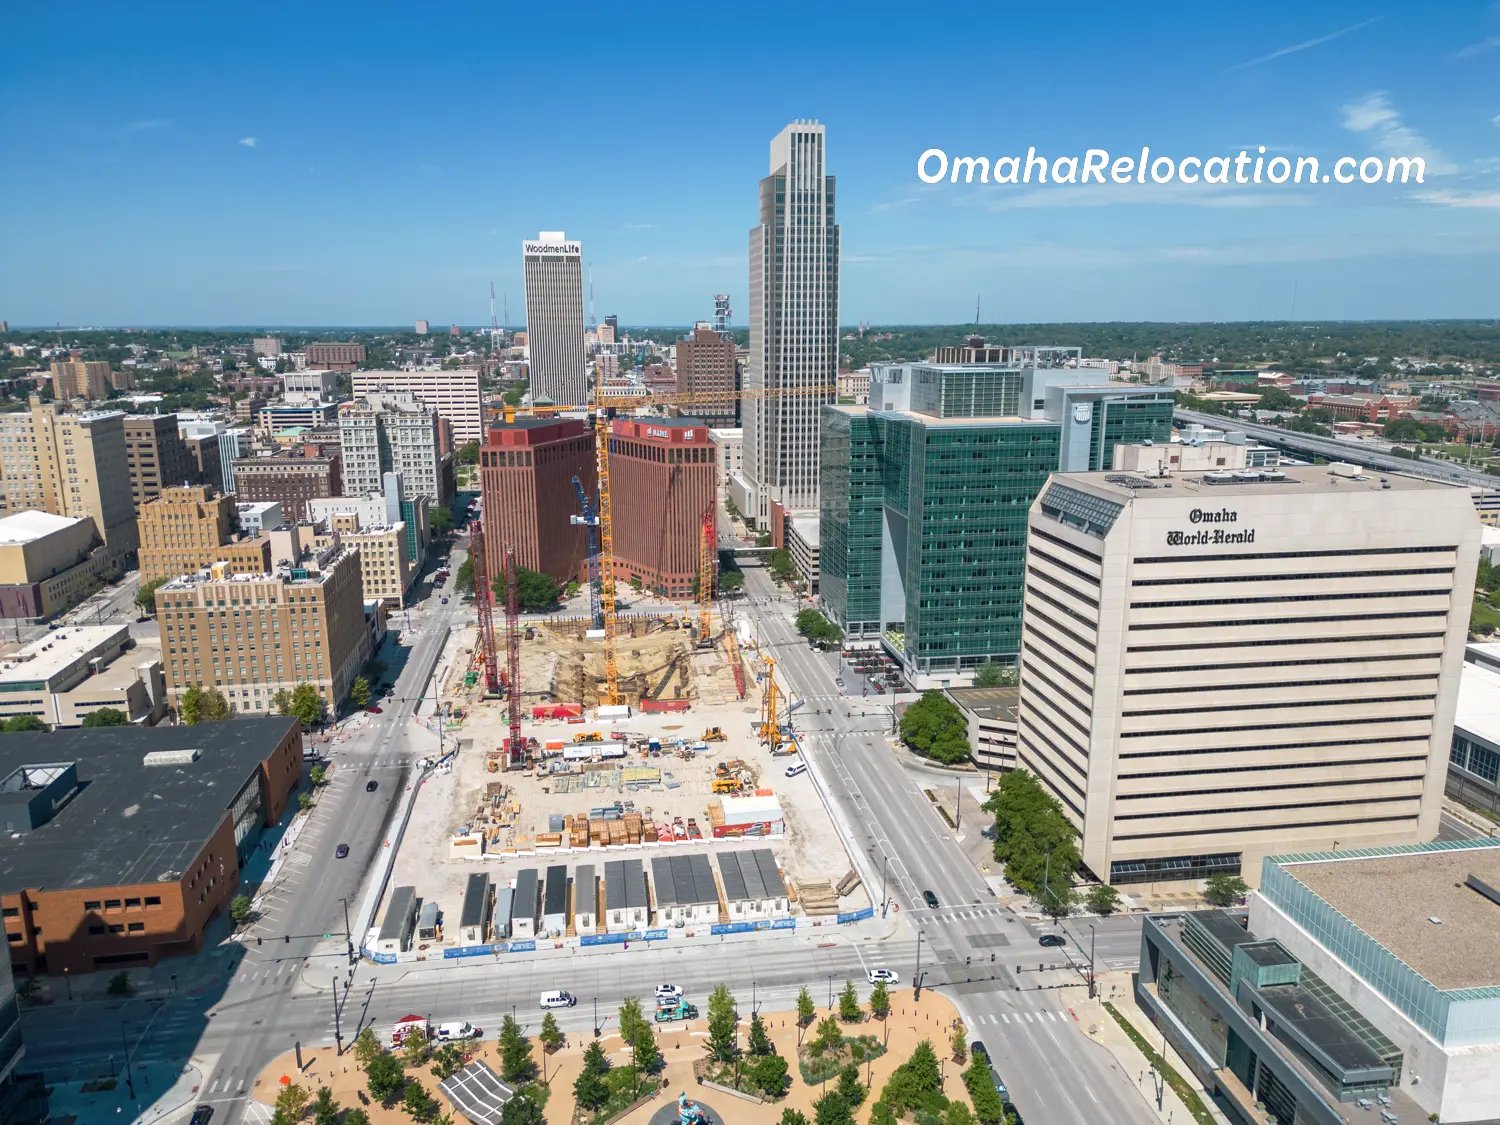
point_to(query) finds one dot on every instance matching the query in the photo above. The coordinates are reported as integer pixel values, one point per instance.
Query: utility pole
(1093, 988)
(129, 1078)
(348, 933)
(958, 808)
(916, 980)
(885, 901)
(338, 1031)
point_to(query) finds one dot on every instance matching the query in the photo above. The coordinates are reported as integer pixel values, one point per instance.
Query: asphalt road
(1055, 1074)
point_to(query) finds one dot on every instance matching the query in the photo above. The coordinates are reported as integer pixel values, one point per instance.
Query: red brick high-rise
(705, 362)
(526, 471)
(664, 475)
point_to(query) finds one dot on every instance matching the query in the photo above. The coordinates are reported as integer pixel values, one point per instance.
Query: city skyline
(144, 193)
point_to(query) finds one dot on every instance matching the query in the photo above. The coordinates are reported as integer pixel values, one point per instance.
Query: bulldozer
(715, 734)
(588, 736)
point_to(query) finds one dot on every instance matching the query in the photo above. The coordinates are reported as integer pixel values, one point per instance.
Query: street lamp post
(338, 1031)
(830, 992)
(348, 932)
(596, 1017)
(885, 902)
(68, 980)
(958, 808)
(1093, 988)
(129, 1078)
(916, 980)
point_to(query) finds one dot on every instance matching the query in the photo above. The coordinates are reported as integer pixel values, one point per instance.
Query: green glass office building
(925, 494)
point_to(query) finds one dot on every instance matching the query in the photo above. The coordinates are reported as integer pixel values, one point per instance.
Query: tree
(1058, 900)
(793, 1117)
(644, 1051)
(723, 1024)
(119, 985)
(958, 1042)
(1224, 890)
(416, 1100)
(935, 728)
(880, 1000)
(1035, 842)
(988, 1106)
(516, 1064)
(1102, 899)
(385, 1077)
(832, 1109)
(521, 1110)
(849, 1009)
(215, 706)
(239, 909)
(22, 724)
(145, 597)
(304, 801)
(356, 1116)
(359, 692)
(850, 1088)
(416, 1047)
(760, 1041)
(828, 1037)
(731, 581)
(325, 1108)
(190, 705)
(958, 1114)
(366, 1047)
(106, 717)
(782, 566)
(551, 1035)
(769, 1074)
(292, 1100)
(534, 591)
(880, 1114)
(318, 775)
(439, 520)
(468, 453)
(993, 674)
(446, 1060)
(806, 1009)
(818, 629)
(630, 1019)
(463, 580)
(590, 1089)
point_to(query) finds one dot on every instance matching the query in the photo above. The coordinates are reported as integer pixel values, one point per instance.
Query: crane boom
(591, 521)
(482, 609)
(708, 552)
(606, 555)
(517, 748)
(673, 398)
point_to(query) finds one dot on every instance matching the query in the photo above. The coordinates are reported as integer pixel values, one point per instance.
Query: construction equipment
(483, 594)
(588, 736)
(727, 785)
(708, 555)
(770, 728)
(714, 734)
(591, 521)
(516, 746)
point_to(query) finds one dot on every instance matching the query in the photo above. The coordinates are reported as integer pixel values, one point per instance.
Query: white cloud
(130, 128)
(1111, 195)
(1307, 44)
(1373, 116)
(1484, 46)
(1486, 200)
(250, 142)
(1495, 121)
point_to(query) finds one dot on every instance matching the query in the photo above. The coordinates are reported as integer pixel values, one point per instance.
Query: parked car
(795, 769)
(930, 899)
(457, 1029)
(1051, 941)
(877, 976)
(341, 852)
(669, 992)
(371, 785)
(374, 710)
(558, 1000)
(202, 1115)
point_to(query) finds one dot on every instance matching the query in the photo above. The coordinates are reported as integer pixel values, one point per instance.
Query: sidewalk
(163, 1091)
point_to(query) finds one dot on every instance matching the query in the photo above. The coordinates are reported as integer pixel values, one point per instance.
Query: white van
(558, 1000)
(794, 770)
(460, 1029)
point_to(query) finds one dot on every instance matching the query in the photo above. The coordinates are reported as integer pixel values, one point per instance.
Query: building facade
(664, 475)
(86, 380)
(554, 318)
(794, 325)
(526, 471)
(385, 568)
(125, 844)
(706, 368)
(252, 635)
(48, 563)
(157, 456)
(1217, 666)
(455, 395)
(383, 433)
(389, 506)
(189, 528)
(730, 446)
(335, 357)
(289, 480)
(922, 528)
(318, 384)
(70, 465)
(69, 673)
(233, 443)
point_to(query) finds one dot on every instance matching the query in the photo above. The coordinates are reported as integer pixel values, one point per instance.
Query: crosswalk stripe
(1028, 1018)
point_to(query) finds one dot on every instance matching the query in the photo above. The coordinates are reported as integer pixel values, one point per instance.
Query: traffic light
(287, 938)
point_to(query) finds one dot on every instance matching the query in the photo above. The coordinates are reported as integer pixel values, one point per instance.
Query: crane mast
(517, 747)
(482, 609)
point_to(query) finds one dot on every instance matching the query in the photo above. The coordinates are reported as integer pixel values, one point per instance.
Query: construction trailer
(585, 898)
(504, 899)
(400, 922)
(753, 886)
(524, 904)
(555, 900)
(685, 891)
(474, 919)
(429, 922)
(626, 906)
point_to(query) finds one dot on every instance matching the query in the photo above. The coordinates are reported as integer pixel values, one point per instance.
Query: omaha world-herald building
(1219, 666)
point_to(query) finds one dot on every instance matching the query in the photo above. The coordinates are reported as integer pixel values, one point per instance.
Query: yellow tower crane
(601, 410)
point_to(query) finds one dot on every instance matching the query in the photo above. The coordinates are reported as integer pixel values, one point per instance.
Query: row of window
(1287, 704)
(1225, 830)
(115, 904)
(1178, 669)
(1240, 731)
(1283, 787)
(1298, 621)
(1359, 595)
(1271, 768)
(1345, 638)
(1299, 576)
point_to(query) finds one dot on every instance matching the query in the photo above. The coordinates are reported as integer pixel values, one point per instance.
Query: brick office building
(526, 471)
(157, 457)
(706, 366)
(288, 480)
(123, 844)
(664, 475)
(335, 357)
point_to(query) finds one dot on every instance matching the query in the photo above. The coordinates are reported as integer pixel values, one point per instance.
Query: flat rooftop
(989, 702)
(57, 651)
(1227, 484)
(29, 526)
(128, 822)
(1479, 701)
(1392, 897)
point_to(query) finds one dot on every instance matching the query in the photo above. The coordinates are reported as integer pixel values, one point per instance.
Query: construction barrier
(856, 915)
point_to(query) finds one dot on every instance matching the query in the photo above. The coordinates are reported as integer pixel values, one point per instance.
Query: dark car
(980, 1051)
(371, 785)
(1051, 941)
(341, 851)
(372, 709)
(930, 899)
(202, 1115)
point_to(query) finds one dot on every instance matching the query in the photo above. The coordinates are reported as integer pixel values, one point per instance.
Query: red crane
(482, 609)
(517, 759)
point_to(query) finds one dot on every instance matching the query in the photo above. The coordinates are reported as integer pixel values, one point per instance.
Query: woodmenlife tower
(794, 324)
(554, 318)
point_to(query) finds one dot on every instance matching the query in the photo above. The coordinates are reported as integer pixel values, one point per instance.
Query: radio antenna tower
(593, 321)
(494, 324)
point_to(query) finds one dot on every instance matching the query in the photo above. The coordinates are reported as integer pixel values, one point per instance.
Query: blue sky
(374, 163)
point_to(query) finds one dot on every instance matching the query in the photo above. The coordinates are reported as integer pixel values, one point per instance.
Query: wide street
(1055, 1074)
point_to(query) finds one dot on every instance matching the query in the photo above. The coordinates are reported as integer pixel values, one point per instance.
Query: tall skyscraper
(554, 317)
(794, 324)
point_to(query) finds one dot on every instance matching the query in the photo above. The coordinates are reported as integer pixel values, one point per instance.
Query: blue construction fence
(753, 927)
(856, 915)
(622, 938)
